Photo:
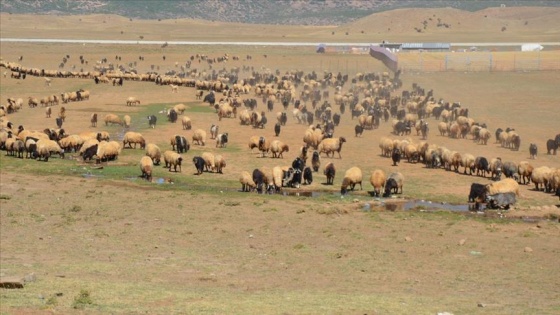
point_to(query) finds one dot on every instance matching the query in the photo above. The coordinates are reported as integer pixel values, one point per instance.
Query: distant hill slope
(285, 12)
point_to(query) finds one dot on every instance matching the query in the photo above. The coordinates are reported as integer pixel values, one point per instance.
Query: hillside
(285, 12)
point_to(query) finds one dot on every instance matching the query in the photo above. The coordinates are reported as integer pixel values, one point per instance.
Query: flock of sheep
(371, 99)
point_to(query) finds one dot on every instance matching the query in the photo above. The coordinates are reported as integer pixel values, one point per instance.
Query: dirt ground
(195, 244)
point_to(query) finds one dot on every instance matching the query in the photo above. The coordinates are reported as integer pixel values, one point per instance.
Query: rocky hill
(285, 12)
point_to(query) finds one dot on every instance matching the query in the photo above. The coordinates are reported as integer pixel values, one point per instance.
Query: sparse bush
(82, 300)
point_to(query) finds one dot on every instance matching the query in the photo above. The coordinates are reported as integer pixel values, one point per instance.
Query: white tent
(531, 47)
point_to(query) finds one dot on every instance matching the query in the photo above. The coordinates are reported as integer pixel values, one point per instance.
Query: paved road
(148, 42)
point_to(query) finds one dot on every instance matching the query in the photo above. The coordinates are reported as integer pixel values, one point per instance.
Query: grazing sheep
(264, 146)
(219, 163)
(277, 178)
(540, 175)
(113, 119)
(222, 140)
(393, 183)
(46, 147)
(443, 128)
(172, 158)
(48, 112)
(107, 151)
(277, 148)
(247, 183)
(411, 153)
(524, 169)
(199, 164)
(352, 177)
(186, 122)
(377, 180)
(330, 173)
(208, 161)
(199, 137)
(153, 151)
(261, 180)
(132, 137)
(180, 143)
(93, 120)
(506, 185)
(126, 121)
(331, 145)
(456, 160)
(253, 142)
(88, 144)
(468, 163)
(172, 115)
(146, 166)
(313, 137)
(509, 169)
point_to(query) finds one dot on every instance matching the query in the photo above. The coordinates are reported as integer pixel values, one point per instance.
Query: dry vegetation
(200, 246)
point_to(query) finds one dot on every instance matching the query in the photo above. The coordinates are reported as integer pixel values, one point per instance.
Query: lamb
(352, 177)
(93, 120)
(113, 119)
(126, 121)
(277, 148)
(219, 163)
(222, 140)
(331, 145)
(146, 166)
(208, 161)
(330, 173)
(172, 158)
(540, 175)
(393, 183)
(247, 183)
(377, 180)
(214, 131)
(199, 136)
(264, 146)
(132, 137)
(153, 151)
(504, 186)
(524, 169)
(186, 122)
(132, 101)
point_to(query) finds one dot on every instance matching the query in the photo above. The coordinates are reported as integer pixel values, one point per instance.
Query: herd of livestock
(370, 98)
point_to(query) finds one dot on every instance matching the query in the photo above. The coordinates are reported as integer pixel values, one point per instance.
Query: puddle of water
(427, 206)
(89, 175)
(301, 193)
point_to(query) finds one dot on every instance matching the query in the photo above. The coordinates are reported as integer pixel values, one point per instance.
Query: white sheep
(107, 151)
(219, 163)
(132, 101)
(113, 119)
(247, 183)
(352, 177)
(126, 121)
(132, 137)
(146, 166)
(524, 169)
(506, 185)
(277, 148)
(540, 175)
(180, 108)
(186, 122)
(153, 151)
(208, 161)
(172, 158)
(331, 145)
(199, 136)
(377, 180)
